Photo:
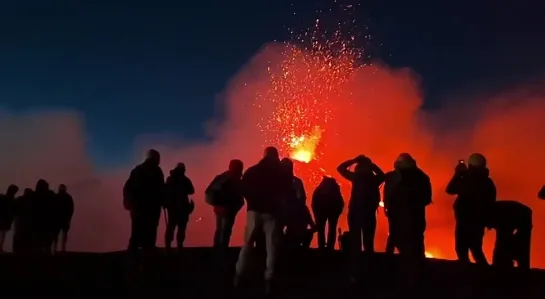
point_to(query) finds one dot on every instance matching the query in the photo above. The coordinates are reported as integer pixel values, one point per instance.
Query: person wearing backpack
(225, 194)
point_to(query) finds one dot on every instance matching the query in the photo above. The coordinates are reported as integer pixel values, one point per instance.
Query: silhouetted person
(296, 201)
(327, 205)
(143, 195)
(364, 199)
(23, 233)
(266, 186)
(390, 240)
(7, 212)
(44, 222)
(476, 193)
(225, 194)
(407, 192)
(301, 229)
(513, 223)
(178, 205)
(541, 193)
(64, 211)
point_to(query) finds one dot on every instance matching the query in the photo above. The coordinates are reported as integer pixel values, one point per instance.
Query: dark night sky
(121, 64)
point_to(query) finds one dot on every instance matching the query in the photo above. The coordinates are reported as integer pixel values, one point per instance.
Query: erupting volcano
(316, 64)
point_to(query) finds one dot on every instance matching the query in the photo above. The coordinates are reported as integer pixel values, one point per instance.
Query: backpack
(212, 195)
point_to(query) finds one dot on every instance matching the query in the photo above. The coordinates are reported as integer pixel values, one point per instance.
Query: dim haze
(377, 113)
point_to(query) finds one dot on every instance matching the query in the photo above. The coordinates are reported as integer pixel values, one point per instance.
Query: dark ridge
(198, 273)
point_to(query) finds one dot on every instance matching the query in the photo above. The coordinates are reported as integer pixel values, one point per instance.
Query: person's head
(404, 161)
(180, 168)
(476, 161)
(12, 190)
(153, 157)
(236, 167)
(271, 153)
(42, 185)
(363, 165)
(62, 188)
(288, 164)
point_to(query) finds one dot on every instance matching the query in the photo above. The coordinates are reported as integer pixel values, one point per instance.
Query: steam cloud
(378, 114)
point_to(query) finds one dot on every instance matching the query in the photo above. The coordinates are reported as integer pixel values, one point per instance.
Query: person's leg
(320, 228)
(332, 222)
(227, 229)
(220, 222)
(251, 231)
(64, 238)
(523, 245)
(369, 229)
(182, 227)
(135, 241)
(476, 245)
(170, 228)
(2, 239)
(502, 255)
(273, 236)
(461, 242)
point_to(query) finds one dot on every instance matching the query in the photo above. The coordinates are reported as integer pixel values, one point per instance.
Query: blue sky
(120, 63)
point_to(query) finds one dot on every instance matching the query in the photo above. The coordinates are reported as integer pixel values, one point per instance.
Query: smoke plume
(378, 114)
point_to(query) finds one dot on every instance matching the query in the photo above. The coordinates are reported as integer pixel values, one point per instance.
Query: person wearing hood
(266, 187)
(178, 205)
(364, 199)
(7, 212)
(512, 221)
(407, 193)
(225, 194)
(327, 206)
(476, 194)
(143, 196)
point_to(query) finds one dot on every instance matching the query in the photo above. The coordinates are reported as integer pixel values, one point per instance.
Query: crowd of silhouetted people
(278, 216)
(38, 217)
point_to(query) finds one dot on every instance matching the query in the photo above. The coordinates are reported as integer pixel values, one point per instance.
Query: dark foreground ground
(195, 273)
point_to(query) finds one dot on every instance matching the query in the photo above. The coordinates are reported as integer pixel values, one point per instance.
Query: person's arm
(303, 195)
(427, 191)
(541, 193)
(344, 171)
(379, 174)
(453, 186)
(190, 188)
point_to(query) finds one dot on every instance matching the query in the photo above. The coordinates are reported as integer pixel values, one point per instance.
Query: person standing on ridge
(327, 206)
(476, 194)
(225, 194)
(178, 205)
(364, 200)
(266, 187)
(65, 211)
(143, 196)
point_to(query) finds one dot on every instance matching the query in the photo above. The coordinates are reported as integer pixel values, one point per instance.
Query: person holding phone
(476, 193)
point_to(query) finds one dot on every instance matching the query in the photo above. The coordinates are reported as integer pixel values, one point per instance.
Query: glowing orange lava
(304, 146)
